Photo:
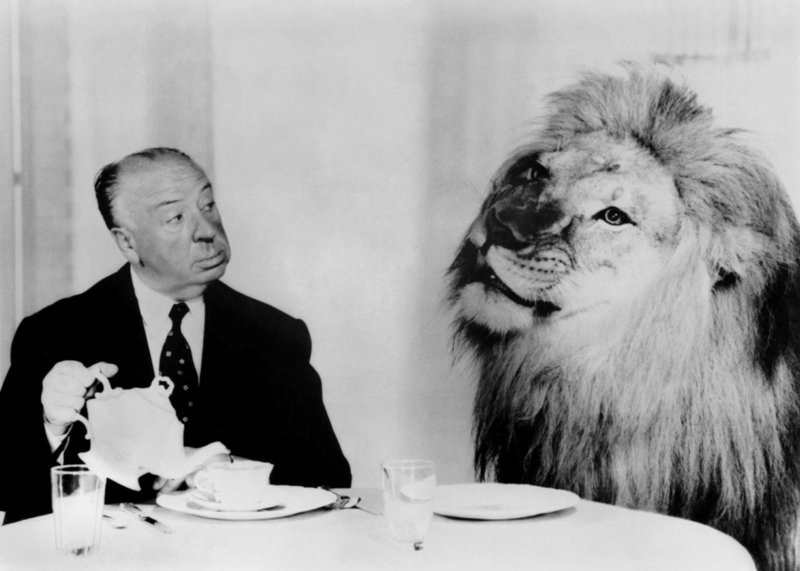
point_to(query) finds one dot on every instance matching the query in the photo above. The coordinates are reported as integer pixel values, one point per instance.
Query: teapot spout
(126, 475)
(193, 461)
(202, 454)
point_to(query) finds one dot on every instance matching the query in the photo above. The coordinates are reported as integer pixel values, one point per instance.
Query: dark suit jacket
(258, 395)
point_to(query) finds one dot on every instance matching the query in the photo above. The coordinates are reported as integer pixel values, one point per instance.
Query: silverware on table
(114, 522)
(341, 502)
(133, 510)
(345, 502)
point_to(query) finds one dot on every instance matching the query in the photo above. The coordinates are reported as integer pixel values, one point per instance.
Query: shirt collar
(154, 306)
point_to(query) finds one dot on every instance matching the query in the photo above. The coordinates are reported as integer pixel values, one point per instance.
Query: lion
(629, 295)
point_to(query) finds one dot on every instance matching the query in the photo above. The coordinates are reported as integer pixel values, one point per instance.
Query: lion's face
(630, 297)
(568, 235)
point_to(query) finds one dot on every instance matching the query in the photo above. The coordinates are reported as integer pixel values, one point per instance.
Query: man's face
(178, 243)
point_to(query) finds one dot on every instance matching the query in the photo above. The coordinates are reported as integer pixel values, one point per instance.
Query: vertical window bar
(16, 138)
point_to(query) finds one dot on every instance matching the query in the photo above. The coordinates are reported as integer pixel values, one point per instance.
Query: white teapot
(136, 431)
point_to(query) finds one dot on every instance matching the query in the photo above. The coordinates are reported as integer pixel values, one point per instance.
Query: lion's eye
(535, 172)
(613, 216)
(527, 171)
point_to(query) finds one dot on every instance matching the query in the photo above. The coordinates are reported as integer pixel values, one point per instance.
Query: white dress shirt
(154, 308)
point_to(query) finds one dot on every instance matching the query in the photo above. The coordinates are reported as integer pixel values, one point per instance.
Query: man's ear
(126, 244)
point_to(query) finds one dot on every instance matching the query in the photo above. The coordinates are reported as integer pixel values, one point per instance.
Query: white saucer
(260, 504)
(491, 501)
(291, 500)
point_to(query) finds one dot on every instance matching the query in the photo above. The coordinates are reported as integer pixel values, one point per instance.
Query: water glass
(78, 497)
(408, 488)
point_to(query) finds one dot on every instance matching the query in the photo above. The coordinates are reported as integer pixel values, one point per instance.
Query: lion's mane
(687, 403)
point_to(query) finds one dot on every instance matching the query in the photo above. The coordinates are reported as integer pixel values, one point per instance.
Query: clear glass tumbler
(408, 488)
(78, 497)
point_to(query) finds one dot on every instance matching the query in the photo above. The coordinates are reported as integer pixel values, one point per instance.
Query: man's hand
(165, 486)
(64, 390)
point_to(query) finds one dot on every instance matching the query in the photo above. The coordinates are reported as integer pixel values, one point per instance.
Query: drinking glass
(78, 497)
(408, 487)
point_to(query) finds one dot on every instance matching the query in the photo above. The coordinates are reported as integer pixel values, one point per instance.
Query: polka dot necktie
(176, 363)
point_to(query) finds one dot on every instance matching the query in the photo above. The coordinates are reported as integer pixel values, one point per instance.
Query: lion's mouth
(540, 307)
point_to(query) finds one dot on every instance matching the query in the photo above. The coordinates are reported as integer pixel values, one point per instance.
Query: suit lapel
(217, 339)
(128, 339)
(212, 404)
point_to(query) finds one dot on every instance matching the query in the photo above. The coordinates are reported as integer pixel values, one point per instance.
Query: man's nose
(205, 230)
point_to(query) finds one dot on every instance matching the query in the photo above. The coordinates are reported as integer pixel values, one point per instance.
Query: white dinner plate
(499, 501)
(262, 503)
(291, 500)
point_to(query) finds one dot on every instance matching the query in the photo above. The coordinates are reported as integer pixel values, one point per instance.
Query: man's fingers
(61, 417)
(62, 400)
(166, 486)
(171, 486)
(72, 376)
(85, 376)
(61, 384)
(65, 389)
(71, 370)
(158, 483)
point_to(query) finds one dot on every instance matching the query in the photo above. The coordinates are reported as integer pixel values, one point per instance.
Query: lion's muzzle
(519, 220)
(524, 246)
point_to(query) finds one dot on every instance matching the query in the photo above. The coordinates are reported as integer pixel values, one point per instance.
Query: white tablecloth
(589, 536)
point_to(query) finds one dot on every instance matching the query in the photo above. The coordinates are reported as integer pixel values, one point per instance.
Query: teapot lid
(159, 392)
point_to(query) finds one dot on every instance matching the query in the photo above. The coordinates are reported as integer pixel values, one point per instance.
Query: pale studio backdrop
(350, 143)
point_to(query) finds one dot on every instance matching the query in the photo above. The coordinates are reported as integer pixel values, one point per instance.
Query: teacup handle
(203, 482)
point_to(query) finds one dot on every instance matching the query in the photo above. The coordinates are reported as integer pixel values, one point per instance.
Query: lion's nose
(514, 223)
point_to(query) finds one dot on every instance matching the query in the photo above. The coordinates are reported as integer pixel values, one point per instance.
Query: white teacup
(240, 484)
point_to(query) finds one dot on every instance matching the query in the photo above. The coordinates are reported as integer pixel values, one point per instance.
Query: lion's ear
(725, 254)
(737, 254)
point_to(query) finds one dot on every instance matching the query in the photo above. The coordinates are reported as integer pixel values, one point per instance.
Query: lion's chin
(541, 308)
(497, 307)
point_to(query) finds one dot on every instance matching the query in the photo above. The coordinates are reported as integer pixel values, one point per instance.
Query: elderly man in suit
(243, 367)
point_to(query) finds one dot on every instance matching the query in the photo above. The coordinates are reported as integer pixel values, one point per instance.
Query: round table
(589, 536)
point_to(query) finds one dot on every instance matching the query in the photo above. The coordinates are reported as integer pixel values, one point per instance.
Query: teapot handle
(81, 419)
(107, 390)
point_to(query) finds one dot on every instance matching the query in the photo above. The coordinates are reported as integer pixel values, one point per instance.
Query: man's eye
(613, 216)
(209, 206)
(175, 219)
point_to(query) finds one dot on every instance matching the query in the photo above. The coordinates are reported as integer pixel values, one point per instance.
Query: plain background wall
(351, 144)
(321, 157)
